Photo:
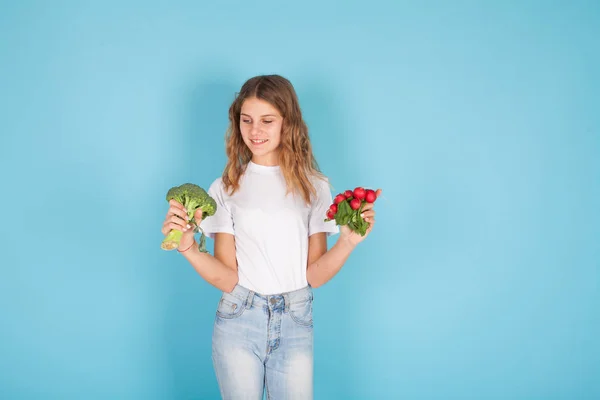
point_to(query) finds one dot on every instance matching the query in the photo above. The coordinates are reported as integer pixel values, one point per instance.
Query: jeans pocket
(301, 312)
(230, 306)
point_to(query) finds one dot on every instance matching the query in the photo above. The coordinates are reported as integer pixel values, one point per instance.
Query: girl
(270, 246)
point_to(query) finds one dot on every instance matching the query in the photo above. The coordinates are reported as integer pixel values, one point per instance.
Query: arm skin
(219, 270)
(323, 264)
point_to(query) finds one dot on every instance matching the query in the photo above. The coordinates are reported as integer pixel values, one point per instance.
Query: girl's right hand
(176, 218)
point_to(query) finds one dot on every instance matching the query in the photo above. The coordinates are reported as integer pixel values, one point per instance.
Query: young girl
(270, 246)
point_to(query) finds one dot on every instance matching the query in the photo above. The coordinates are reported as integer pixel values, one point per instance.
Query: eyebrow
(266, 115)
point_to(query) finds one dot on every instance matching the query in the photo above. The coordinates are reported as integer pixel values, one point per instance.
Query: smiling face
(260, 125)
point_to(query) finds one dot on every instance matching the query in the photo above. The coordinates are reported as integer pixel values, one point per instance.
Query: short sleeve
(318, 210)
(221, 221)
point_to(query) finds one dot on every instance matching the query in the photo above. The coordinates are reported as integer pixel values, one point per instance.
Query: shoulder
(321, 182)
(322, 186)
(217, 183)
(217, 188)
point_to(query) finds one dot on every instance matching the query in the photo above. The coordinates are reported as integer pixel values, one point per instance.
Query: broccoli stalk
(192, 197)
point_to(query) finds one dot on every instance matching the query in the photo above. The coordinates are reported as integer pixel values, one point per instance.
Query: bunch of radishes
(347, 206)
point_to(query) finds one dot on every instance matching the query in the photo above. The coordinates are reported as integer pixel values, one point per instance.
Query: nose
(255, 129)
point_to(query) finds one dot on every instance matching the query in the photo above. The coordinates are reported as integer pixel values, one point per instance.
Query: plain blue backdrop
(479, 120)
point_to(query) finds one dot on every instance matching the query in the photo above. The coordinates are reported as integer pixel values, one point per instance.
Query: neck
(269, 160)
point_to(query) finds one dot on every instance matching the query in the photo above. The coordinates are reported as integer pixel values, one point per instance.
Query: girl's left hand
(368, 214)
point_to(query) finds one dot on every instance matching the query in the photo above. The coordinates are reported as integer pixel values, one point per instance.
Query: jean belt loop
(249, 299)
(286, 302)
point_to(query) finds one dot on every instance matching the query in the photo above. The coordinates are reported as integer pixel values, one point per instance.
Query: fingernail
(188, 226)
(362, 215)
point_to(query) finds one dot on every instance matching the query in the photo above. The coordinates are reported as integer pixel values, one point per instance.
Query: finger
(177, 204)
(170, 226)
(174, 210)
(198, 217)
(174, 224)
(368, 206)
(178, 209)
(178, 221)
(368, 214)
(377, 192)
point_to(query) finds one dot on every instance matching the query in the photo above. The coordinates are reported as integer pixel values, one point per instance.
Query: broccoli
(192, 197)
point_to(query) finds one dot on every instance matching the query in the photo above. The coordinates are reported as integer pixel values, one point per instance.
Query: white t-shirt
(271, 229)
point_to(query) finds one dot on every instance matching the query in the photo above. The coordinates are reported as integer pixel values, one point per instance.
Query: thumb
(377, 192)
(198, 216)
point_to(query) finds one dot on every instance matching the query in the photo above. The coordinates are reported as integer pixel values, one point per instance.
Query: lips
(259, 141)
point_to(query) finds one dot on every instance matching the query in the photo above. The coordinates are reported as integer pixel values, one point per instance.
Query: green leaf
(202, 244)
(364, 225)
(344, 213)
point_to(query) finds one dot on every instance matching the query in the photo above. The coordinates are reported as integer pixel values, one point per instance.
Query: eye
(267, 122)
(246, 121)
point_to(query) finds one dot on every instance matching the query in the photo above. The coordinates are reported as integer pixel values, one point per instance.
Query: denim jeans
(264, 343)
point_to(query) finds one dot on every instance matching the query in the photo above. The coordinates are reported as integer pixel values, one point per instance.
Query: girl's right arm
(220, 270)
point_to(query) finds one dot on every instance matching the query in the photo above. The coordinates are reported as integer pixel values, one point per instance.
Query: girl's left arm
(323, 264)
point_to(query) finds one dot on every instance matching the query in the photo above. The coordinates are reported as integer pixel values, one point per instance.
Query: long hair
(296, 158)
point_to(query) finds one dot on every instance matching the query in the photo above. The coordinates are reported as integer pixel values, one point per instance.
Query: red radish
(355, 204)
(359, 193)
(330, 214)
(370, 196)
(347, 207)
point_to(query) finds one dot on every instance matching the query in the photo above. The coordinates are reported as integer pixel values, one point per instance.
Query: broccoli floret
(192, 197)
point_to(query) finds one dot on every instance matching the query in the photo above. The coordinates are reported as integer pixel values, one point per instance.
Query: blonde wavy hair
(296, 158)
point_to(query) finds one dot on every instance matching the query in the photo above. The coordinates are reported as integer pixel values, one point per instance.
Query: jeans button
(273, 301)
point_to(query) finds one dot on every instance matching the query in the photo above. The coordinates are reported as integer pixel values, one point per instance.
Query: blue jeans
(264, 343)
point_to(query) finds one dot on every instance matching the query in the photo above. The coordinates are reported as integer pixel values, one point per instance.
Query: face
(260, 124)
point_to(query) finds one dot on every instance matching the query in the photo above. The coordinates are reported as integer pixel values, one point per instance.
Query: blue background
(479, 120)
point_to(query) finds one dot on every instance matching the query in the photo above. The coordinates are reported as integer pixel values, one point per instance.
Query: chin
(261, 153)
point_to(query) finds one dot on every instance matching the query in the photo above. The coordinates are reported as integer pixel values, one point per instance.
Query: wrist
(346, 243)
(187, 248)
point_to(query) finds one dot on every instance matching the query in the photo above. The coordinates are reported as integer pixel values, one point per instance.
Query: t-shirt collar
(263, 169)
